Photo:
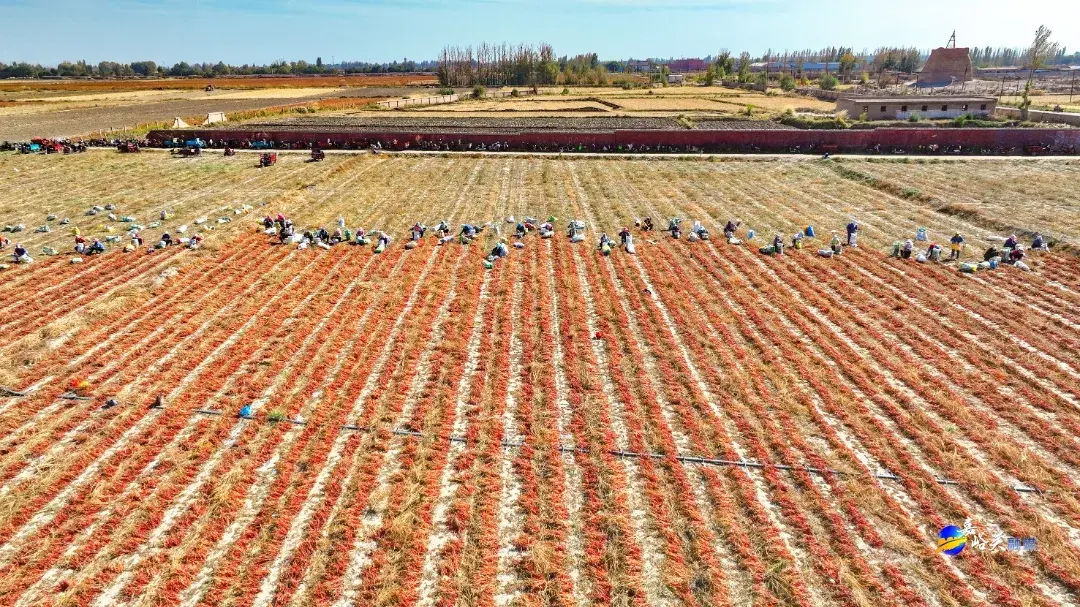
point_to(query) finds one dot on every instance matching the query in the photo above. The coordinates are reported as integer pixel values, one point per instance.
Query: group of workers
(1012, 251)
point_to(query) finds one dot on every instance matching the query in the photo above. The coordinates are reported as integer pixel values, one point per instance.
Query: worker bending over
(731, 228)
(1039, 243)
(19, 254)
(673, 227)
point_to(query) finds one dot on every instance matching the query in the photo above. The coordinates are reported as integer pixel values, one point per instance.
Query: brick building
(688, 65)
(946, 66)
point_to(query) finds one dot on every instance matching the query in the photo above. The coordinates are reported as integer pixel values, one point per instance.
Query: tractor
(229, 151)
(195, 143)
(187, 152)
(267, 159)
(128, 147)
(317, 155)
(262, 144)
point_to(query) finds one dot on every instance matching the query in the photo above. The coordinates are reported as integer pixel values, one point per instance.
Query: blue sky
(261, 31)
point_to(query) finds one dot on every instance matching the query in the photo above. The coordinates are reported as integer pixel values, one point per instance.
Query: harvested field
(493, 123)
(1008, 196)
(517, 105)
(25, 121)
(670, 103)
(565, 429)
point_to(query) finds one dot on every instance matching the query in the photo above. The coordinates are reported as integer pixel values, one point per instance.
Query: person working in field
(624, 234)
(4, 243)
(673, 227)
(731, 228)
(1039, 243)
(647, 224)
(834, 244)
(852, 233)
(96, 248)
(933, 252)
(19, 254)
(956, 244)
(905, 251)
(1017, 254)
(80, 244)
(1011, 241)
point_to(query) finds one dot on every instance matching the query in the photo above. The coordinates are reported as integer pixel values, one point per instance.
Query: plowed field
(696, 424)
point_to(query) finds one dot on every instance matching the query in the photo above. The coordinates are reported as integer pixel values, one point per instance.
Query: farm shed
(902, 108)
(214, 118)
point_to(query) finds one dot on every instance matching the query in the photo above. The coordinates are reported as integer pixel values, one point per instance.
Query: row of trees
(1017, 57)
(499, 65)
(112, 69)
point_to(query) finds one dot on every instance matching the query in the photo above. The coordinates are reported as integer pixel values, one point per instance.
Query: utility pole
(1072, 86)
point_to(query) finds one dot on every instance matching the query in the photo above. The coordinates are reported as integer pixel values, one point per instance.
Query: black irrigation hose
(690, 459)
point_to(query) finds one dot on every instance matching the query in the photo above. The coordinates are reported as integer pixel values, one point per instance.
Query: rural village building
(902, 108)
(688, 65)
(946, 66)
(808, 68)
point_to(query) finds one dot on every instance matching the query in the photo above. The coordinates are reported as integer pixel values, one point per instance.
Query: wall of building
(902, 110)
(1041, 116)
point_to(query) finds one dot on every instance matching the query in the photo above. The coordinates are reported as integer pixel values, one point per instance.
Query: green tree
(744, 67)
(847, 66)
(1040, 50)
(725, 65)
(710, 76)
(829, 82)
(787, 82)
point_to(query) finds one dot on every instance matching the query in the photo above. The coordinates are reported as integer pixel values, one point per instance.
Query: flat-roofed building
(902, 108)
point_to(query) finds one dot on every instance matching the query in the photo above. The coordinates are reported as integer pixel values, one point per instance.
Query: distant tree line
(525, 65)
(112, 69)
(504, 64)
(1017, 57)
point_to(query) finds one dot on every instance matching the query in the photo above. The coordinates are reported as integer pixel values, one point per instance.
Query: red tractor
(317, 155)
(128, 147)
(268, 159)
